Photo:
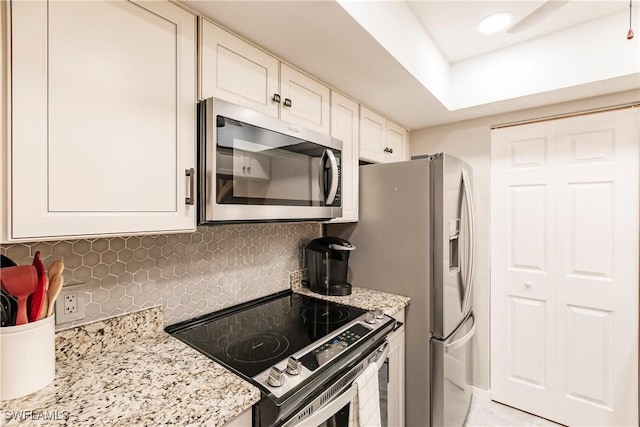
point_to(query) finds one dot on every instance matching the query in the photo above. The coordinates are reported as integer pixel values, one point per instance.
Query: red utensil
(20, 281)
(36, 299)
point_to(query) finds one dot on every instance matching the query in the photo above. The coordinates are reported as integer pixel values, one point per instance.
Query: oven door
(261, 168)
(335, 412)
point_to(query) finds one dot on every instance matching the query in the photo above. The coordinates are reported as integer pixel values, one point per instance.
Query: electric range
(299, 351)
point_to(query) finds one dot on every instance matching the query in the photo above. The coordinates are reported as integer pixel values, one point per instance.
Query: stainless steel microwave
(256, 168)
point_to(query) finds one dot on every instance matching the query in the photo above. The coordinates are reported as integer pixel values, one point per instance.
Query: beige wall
(471, 141)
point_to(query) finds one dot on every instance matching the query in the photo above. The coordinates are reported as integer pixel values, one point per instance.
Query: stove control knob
(276, 377)
(378, 312)
(370, 317)
(294, 366)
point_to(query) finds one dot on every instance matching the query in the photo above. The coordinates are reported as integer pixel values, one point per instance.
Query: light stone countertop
(127, 371)
(366, 299)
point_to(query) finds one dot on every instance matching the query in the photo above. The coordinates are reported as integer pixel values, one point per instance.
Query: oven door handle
(330, 409)
(383, 357)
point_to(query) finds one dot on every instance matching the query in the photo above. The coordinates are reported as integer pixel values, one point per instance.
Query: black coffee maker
(327, 259)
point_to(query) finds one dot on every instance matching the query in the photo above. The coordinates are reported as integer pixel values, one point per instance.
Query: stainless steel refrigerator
(415, 237)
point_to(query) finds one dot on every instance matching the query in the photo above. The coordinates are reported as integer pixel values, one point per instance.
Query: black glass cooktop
(252, 337)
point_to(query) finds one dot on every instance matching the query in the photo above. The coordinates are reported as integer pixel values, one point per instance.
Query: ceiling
(452, 24)
(422, 63)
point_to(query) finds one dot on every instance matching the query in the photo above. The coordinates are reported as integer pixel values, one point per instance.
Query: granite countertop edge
(366, 299)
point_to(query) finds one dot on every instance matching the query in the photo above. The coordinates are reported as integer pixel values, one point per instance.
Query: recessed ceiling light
(495, 23)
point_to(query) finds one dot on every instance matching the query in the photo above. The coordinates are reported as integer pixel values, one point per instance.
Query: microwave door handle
(333, 187)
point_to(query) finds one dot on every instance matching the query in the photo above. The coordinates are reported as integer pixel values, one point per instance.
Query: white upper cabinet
(373, 136)
(236, 71)
(103, 118)
(344, 126)
(396, 143)
(305, 101)
(381, 141)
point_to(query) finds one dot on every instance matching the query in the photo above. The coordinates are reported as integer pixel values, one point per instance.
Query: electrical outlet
(70, 303)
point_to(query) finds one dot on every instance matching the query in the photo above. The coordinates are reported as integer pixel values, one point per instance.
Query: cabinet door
(233, 70)
(344, 126)
(103, 113)
(564, 268)
(395, 394)
(242, 420)
(373, 135)
(396, 143)
(309, 100)
(258, 166)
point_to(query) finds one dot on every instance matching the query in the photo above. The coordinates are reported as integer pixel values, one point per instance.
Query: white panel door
(344, 126)
(102, 120)
(578, 343)
(234, 70)
(598, 269)
(305, 101)
(523, 266)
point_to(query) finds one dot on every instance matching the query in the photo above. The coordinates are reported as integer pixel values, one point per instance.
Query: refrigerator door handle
(452, 346)
(469, 218)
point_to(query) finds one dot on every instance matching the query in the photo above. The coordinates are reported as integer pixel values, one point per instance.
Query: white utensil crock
(27, 358)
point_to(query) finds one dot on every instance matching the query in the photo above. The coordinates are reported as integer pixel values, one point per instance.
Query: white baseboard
(481, 395)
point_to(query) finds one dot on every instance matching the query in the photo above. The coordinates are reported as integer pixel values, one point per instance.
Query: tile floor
(485, 413)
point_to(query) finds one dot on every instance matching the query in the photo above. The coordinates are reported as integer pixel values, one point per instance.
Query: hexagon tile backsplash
(189, 274)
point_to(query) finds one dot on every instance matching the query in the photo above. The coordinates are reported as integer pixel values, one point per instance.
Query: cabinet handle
(390, 150)
(249, 169)
(276, 98)
(386, 149)
(287, 102)
(190, 173)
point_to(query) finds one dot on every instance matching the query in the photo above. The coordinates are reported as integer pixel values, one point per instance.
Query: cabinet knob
(276, 98)
(528, 284)
(248, 169)
(244, 169)
(287, 102)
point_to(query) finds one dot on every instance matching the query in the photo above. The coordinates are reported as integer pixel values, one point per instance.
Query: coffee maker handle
(336, 247)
